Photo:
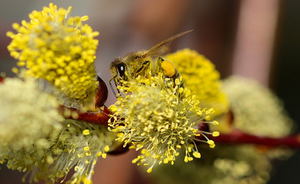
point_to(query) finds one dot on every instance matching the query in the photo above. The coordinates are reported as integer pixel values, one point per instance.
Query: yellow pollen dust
(86, 132)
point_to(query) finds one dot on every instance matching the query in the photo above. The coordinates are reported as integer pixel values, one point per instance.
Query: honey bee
(137, 63)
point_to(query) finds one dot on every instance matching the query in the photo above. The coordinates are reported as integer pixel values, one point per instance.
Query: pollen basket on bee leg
(168, 68)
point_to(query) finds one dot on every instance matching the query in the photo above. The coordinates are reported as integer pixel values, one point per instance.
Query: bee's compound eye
(121, 69)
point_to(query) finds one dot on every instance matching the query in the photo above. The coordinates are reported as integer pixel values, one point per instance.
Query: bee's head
(118, 71)
(118, 68)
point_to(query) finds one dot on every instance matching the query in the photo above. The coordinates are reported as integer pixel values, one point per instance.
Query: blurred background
(252, 38)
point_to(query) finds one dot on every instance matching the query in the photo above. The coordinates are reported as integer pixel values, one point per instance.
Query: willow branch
(99, 117)
(238, 137)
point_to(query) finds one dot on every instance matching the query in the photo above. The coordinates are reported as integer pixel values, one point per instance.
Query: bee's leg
(145, 64)
(112, 88)
(158, 68)
(168, 68)
(169, 71)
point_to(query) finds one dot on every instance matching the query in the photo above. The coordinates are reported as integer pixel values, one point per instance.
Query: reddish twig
(239, 137)
(99, 117)
(235, 137)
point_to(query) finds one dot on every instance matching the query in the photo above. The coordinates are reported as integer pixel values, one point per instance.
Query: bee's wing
(163, 47)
